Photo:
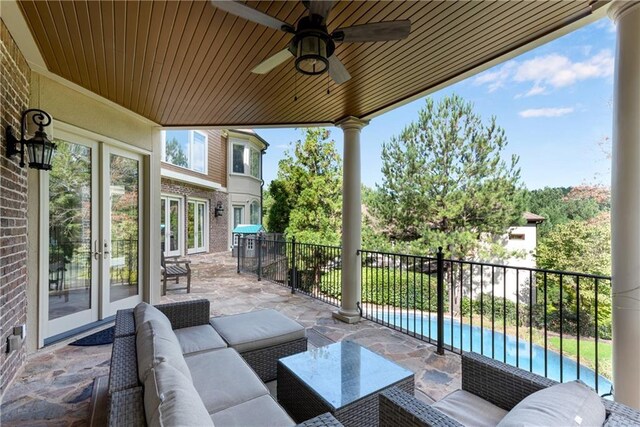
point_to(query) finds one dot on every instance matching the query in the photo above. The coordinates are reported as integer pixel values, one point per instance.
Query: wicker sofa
(221, 376)
(502, 385)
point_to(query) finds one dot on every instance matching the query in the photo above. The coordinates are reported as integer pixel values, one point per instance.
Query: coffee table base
(303, 404)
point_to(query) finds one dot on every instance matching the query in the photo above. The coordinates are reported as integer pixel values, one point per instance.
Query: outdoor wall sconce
(39, 147)
(217, 211)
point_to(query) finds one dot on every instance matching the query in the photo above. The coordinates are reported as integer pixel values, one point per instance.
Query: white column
(625, 205)
(351, 220)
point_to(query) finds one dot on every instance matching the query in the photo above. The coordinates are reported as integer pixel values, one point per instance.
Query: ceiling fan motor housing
(312, 45)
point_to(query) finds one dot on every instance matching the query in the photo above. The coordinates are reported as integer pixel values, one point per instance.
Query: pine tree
(445, 182)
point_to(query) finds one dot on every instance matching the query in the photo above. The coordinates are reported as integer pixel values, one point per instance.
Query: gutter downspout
(262, 152)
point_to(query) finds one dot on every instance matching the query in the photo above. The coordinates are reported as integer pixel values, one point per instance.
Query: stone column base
(346, 318)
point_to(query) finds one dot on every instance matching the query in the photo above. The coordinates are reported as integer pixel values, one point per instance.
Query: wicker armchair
(501, 384)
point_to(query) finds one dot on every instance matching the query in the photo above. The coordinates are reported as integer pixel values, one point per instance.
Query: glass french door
(91, 233)
(69, 270)
(197, 226)
(171, 225)
(122, 226)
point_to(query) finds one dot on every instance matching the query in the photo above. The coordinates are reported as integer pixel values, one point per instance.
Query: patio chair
(488, 383)
(175, 268)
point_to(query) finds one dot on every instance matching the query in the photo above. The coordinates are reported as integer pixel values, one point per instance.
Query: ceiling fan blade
(272, 62)
(374, 32)
(319, 7)
(337, 71)
(249, 13)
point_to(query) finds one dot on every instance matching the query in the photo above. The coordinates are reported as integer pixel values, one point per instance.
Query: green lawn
(587, 352)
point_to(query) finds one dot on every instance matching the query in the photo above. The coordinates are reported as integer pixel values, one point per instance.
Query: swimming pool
(492, 344)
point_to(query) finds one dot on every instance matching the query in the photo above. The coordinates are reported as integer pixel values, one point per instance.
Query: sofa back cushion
(155, 343)
(568, 404)
(171, 400)
(144, 312)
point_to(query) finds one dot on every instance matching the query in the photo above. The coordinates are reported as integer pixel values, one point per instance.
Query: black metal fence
(70, 263)
(310, 269)
(553, 323)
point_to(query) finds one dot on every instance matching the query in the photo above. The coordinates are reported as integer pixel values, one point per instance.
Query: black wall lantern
(39, 147)
(217, 211)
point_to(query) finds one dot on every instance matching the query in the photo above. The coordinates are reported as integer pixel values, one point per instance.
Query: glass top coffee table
(343, 378)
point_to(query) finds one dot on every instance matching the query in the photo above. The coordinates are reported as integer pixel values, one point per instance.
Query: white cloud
(548, 71)
(496, 79)
(282, 146)
(559, 71)
(546, 112)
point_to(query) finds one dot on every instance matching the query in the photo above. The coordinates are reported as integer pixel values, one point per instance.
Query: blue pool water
(492, 345)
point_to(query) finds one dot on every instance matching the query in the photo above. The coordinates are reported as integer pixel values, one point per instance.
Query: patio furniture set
(174, 365)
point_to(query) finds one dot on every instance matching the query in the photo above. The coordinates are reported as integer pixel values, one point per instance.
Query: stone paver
(55, 385)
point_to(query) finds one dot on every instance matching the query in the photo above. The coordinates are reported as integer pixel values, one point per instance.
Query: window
(254, 165)
(250, 243)
(254, 213)
(238, 216)
(197, 229)
(238, 158)
(185, 148)
(245, 160)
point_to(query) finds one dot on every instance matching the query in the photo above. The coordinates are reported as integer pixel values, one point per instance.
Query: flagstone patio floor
(54, 387)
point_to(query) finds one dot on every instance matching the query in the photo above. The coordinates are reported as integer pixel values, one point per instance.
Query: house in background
(519, 244)
(245, 184)
(193, 189)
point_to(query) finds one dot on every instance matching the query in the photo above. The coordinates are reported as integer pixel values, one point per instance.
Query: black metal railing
(70, 263)
(310, 269)
(553, 323)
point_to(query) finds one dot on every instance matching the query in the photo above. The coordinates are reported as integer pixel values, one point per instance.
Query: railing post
(293, 266)
(238, 252)
(259, 253)
(440, 300)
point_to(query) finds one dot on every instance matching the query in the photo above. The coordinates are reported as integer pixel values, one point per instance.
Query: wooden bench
(175, 268)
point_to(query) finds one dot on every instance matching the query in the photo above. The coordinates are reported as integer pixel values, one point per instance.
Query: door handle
(96, 252)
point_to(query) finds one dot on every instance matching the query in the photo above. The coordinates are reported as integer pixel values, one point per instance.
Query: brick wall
(218, 240)
(15, 76)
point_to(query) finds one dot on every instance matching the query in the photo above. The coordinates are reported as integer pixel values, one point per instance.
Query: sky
(554, 102)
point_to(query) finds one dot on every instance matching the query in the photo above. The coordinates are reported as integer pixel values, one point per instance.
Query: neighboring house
(194, 188)
(245, 184)
(519, 243)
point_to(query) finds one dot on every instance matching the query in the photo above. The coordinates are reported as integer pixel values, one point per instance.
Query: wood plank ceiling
(188, 63)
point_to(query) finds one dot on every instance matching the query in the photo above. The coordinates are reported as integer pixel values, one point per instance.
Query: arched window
(254, 212)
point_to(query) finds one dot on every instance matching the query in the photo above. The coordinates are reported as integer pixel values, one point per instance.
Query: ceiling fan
(312, 45)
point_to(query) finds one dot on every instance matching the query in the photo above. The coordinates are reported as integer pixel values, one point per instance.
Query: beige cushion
(223, 379)
(155, 343)
(569, 404)
(470, 410)
(197, 339)
(144, 312)
(257, 329)
(261, 411)
(171, 400)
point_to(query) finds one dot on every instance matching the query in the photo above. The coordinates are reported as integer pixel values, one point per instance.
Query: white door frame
(48, 328)
(107, 307)
(205, 227)
(181, 223)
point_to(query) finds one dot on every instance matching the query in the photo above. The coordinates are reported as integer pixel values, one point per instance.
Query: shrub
(385, 286)
(486, 306)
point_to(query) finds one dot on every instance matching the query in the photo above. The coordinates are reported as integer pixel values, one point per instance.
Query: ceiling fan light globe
(312, 55)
